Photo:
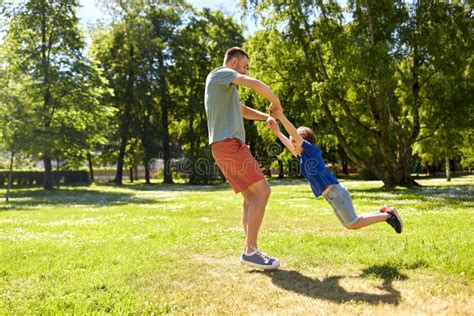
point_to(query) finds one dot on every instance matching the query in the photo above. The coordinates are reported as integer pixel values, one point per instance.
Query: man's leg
(258, 194)
(245, 210)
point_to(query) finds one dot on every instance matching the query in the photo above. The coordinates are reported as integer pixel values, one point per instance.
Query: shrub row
(36, 178)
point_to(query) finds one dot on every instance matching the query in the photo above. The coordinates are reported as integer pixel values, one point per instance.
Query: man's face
(242, 65)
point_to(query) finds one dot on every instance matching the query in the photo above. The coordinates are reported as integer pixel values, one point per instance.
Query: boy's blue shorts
(341, 203)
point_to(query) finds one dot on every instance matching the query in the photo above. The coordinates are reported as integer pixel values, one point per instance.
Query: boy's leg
(341, 202)
(369, 219)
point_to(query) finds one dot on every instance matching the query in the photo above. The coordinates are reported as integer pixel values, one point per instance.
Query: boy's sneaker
(260, 260)
(394, 220)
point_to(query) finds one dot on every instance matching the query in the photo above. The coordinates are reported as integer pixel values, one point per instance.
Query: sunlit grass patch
(175, 249)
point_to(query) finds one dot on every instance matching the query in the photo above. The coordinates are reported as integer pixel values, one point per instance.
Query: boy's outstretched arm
(276, 130)
(289, 127)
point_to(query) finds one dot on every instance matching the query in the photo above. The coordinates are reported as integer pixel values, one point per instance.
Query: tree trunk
(131, 174)
(119, 172)
(448, 169)
(343, 159)
(91, 169)
(57, 173)
(48, 173)
(126, 118)
(166, 142)
(10, 176)
(164, 105)
(345, 168)
(281, 173)
(147, 171)
(400, 176)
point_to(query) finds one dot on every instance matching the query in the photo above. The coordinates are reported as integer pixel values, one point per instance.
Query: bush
(35, 178)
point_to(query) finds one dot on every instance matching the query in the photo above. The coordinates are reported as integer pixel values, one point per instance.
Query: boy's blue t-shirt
(314, 169)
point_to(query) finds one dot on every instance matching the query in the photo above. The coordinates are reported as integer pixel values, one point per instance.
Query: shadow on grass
(28, 199)
(175, 187)
(455, 194)
(329, 288)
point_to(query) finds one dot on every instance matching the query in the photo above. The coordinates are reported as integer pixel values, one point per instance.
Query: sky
(89, 12)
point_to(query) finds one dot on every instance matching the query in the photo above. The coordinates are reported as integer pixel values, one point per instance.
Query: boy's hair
(234, 52)
(307, 134)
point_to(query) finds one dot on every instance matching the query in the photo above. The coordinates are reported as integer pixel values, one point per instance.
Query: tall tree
(349, 72)
(115, 54)
(448, 95)
(135, 58)
(197, 49)
(44, 43)
(15, 118)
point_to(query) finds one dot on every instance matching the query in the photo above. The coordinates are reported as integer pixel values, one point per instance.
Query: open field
(175, 249)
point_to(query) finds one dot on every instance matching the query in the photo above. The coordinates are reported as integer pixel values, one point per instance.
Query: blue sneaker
(260, 260)
(394, 220)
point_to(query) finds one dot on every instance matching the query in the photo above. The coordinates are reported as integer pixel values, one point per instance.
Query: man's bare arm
(252, 114)
(259, 87)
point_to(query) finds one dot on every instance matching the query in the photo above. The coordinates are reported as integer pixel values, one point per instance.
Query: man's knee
(260, 189)
(265, 190)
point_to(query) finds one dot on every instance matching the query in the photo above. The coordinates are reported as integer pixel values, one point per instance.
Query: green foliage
(369, 80)
(381, 83)
(133, 53)
(197, 49)
(51, 83)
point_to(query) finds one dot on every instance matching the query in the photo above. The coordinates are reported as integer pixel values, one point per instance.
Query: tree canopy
(384, 84)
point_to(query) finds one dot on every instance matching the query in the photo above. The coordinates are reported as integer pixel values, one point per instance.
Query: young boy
(322, 181)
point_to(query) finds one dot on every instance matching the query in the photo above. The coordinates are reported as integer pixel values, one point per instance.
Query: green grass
(175, 249)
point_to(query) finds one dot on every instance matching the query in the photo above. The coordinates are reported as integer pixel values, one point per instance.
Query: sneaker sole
(394, 212)
(256, 265)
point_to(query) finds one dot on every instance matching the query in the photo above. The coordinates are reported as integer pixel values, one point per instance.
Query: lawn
(174, 249)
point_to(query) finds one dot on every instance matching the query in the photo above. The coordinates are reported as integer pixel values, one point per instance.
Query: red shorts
(236, 163)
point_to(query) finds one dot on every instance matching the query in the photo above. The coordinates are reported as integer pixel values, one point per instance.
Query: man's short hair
(234, 52)
(307, 134)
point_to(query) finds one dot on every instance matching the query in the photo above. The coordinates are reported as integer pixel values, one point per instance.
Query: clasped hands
(275, 111)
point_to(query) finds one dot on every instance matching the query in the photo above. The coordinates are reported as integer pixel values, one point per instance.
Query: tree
(197, 49)
(448, 94)
(134, 55)
(44, 44)
(15, 116)
(364, 78)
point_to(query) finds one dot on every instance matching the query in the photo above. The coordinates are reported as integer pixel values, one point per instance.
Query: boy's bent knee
(352, 226)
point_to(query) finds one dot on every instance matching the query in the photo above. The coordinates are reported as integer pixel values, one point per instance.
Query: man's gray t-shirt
(221, 99)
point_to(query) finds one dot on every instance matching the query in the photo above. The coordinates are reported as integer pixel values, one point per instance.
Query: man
(225, 116)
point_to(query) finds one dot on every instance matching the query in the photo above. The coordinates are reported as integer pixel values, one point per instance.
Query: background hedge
(35, 178)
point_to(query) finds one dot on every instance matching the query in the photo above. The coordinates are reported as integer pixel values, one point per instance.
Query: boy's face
(297, 148)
